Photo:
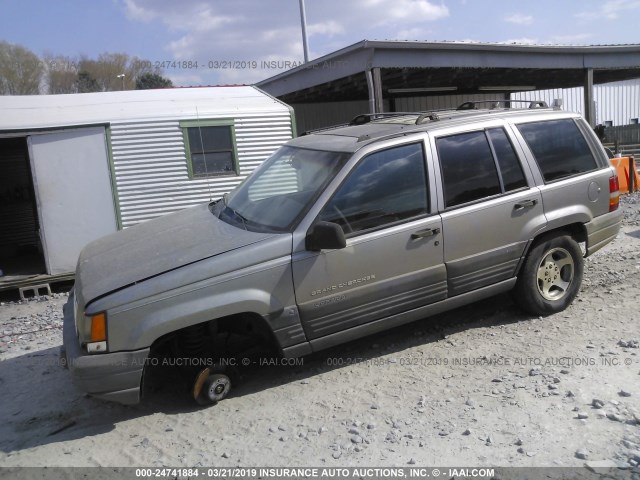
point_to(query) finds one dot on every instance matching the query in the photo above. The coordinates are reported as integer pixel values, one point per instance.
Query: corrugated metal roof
(44, 111)
(469, 67)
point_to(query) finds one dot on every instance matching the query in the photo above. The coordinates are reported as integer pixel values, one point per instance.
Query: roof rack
(323, 129)
(531, 103)
(367, 117)
(425, 116)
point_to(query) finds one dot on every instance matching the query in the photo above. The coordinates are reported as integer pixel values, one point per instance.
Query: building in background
(76, 167)
(615, 104)
(393, 76)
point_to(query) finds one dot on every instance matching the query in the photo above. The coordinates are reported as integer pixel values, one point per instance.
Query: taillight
(614, 193)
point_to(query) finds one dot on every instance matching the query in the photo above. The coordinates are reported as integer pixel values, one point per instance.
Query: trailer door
(73, 193)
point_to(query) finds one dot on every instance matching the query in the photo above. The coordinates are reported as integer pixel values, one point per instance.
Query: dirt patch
(482, 385)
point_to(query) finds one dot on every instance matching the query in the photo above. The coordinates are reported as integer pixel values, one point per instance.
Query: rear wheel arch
(577, 231)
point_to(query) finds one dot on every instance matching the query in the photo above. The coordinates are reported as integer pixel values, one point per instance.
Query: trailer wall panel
(150, 165)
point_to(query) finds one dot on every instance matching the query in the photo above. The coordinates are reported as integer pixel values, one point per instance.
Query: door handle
(525, 204)
(427, 232)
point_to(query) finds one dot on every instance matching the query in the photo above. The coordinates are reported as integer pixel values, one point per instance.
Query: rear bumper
(602, 230)
(110, 376)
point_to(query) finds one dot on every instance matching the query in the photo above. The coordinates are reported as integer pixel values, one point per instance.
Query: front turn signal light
(98, 327)
(98, 340)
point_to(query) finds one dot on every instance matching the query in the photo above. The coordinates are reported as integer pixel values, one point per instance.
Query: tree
(61, 74)
(109, 67)
(106, 70)
(86, 83)
(20, 70)
(152, 80)
(138, 66)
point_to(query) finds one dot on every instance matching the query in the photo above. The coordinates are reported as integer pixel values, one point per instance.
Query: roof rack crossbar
(432, 116)
(367, 117)
(531, 103)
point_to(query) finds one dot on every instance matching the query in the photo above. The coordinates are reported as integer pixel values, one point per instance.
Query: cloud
(194, 17)
(137, 12)
(555, 40)
(571, 39)
(329, 28)
(522, 41)
(416, 33)
(610, 10)
(613, 8)
(186, 79)
(184, 47)
(416, 10)
(255, 31)
(519, 19)
(228, 38)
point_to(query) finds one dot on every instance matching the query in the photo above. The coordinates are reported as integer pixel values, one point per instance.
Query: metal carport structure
(381, 72)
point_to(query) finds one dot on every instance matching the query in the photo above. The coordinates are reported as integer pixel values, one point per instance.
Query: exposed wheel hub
(217, 389)
(209, 388)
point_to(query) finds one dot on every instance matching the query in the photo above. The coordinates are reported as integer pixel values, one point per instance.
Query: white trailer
(76, 167)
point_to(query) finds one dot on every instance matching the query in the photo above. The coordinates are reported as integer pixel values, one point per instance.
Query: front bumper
(114, 376)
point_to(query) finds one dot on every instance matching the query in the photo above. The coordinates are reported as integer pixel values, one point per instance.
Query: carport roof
(435, 68)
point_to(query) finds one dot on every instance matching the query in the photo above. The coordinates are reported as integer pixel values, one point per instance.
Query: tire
(551, 275)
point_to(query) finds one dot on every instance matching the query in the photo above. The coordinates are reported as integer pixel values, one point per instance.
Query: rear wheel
(551, 276)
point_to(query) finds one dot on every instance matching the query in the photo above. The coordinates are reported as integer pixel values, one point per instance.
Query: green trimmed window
(210, 148)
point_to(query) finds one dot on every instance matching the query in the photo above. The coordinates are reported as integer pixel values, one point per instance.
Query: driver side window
(386, 187)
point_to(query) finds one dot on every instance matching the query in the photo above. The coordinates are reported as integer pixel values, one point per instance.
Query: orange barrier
(623, 166)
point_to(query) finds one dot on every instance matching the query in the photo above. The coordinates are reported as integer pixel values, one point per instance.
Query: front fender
(186, 310)
(265, 289)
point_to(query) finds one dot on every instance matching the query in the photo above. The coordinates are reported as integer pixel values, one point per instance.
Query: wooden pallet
(24, 283)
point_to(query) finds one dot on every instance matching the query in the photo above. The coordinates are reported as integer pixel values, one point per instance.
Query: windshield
(280, 190)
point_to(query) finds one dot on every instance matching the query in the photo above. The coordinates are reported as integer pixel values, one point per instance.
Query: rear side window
(559, 147)
(510, 168)
(468, 168)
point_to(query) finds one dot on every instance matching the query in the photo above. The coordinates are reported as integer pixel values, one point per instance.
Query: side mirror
(325, 236)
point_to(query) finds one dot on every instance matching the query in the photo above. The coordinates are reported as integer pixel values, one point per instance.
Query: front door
(393, 261)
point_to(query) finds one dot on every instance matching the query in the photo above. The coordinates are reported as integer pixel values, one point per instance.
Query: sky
(209, 42)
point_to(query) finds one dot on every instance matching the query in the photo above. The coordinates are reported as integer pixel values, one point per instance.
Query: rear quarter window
(559, 147)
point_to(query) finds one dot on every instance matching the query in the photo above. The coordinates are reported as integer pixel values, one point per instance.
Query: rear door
(490, 206)
(574, 176)
(393, 261)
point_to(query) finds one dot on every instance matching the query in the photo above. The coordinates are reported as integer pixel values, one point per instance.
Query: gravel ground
(484, 385)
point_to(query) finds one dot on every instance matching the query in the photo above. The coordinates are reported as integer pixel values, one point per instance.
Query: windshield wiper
(227, 207)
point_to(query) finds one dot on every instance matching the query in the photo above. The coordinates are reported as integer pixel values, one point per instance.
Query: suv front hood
(154, 247)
